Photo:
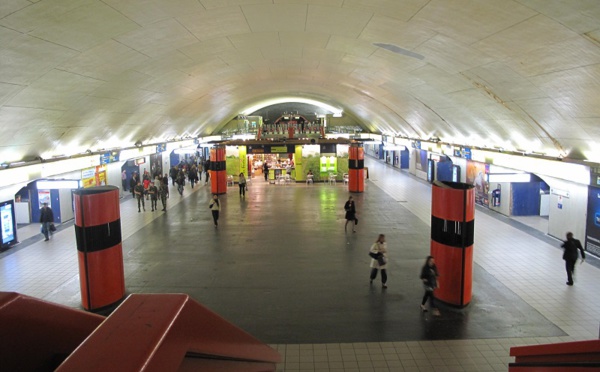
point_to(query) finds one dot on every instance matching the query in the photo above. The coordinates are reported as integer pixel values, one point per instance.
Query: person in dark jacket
(571, 245)
(266, 170)
(429, 275)
(350, 209)
(139, 195)
(206, 171)
(133, 182)
(46, 219)
(173, 173)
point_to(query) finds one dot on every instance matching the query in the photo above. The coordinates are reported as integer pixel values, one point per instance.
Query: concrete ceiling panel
(514, 72)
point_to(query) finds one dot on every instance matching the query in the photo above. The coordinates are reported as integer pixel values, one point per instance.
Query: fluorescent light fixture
(509, 177)
(58, 184)
(337, 112)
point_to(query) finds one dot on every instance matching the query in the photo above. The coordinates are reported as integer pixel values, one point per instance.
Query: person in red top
(146, 185)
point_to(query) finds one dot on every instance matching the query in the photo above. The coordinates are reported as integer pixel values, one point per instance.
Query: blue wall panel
(444, 171)
(404, 158)
(526, 199)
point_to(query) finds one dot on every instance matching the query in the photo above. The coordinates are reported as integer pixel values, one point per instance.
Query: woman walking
(378, 252)
(350, 209)
(429, 275)
(215, 207)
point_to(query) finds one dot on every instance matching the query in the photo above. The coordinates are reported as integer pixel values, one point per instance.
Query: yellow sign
(278, 148)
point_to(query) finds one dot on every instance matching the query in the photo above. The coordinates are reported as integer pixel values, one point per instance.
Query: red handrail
(157, 332)
(150, 332)
(38, 335)
(565, 356)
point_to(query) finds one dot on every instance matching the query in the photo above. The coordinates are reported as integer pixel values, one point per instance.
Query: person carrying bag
(378, 253)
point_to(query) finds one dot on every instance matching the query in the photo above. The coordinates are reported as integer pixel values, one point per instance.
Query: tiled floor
(525, 266)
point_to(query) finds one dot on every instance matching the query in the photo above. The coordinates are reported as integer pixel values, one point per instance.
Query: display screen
(430, 170)
(7, 219)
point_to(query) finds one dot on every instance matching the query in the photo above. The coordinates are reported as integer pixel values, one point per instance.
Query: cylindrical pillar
(452, 235)
(218, 173)
(356, 165)
(99, 248)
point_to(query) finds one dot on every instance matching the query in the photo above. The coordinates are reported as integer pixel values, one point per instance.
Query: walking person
(47, 220)
(163, 192)
(193, 175)
(146, 185)
(350, 209)
(132, 183)
(429, 275)
(266, 170)
(153, 191)
(173, 173)
(139, 195)
(124, 180)
(180, 182)
(165, 182)
(570, 255)
(242, 184)
(215, 207)
(378, 252)
(206, 171)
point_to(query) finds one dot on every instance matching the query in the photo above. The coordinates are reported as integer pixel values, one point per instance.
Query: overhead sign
(271, 149)
(328, 148)
(162, 147)
(109, 157)
(278, 149)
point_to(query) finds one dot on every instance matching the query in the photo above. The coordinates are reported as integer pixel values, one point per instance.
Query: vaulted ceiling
(86, 74)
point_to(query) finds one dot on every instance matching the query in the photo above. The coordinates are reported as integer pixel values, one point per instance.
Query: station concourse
(281, 267)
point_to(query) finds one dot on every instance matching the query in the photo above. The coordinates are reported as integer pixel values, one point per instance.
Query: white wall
(412, 161)
(572, 215)
(505, 197)
(113, 175)
(66, 205)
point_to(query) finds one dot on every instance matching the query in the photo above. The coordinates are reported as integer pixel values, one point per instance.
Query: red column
(356, 165)
(452, 234)
(218, 173)
(99, 248)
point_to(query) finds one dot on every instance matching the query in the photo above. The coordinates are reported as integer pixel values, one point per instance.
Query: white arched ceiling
(87, 74)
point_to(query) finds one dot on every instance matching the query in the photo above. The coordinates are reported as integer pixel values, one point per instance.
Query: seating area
(331, 179)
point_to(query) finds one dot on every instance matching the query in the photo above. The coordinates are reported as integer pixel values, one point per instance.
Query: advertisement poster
(477, 175)
(592, 234)
(156, 165)
(96, 176)
(8, 222)
(43, 197)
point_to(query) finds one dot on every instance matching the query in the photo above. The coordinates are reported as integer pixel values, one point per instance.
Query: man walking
(571, 245)
(163, 191)
(46, 219)
(139, 195)
(153, 191)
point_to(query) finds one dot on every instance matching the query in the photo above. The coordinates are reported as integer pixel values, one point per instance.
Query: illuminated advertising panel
(7, 224)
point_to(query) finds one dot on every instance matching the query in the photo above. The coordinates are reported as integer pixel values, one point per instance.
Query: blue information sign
(109, 157)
